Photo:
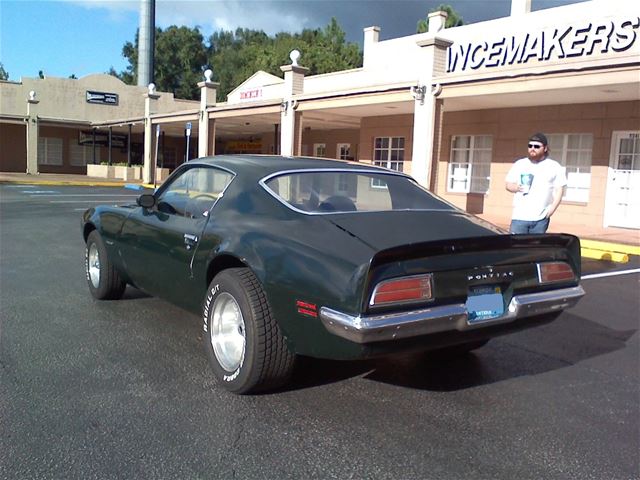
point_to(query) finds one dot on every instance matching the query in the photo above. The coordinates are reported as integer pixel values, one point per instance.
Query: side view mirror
(146, 200)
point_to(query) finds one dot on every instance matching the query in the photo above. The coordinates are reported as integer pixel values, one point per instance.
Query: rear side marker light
(551, 272)
(402, 290)
(306, 308)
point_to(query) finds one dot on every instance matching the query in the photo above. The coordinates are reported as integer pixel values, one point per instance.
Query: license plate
(484, 303)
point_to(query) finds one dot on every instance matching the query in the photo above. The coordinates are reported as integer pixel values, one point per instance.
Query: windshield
(351, 191)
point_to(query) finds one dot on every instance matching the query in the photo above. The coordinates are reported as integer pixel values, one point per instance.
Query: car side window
(193, 193)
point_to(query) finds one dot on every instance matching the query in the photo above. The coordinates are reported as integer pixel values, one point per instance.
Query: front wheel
(245, 346)
(104, 280)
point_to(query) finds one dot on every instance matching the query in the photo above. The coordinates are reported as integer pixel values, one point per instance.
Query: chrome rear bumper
(378, 328)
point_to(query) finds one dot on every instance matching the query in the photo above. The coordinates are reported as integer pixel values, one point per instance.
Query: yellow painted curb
(613, 247)
(78, 183)
(604, 255)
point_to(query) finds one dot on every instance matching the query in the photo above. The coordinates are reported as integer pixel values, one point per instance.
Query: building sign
(553, 44)
(243, 146)
(251, 94)
(102, 98)
(102, 139)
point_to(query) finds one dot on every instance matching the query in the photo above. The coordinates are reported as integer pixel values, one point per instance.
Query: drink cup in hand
(526, 179)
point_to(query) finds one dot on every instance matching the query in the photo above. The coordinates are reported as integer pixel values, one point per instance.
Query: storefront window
(344, 151)
(470, 164)
(319, 149)
(81, 155)
(573, 151)
(49, 151)
(388, 152)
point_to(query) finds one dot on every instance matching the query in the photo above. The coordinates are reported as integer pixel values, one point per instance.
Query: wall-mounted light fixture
(288, 104)
(418, 92)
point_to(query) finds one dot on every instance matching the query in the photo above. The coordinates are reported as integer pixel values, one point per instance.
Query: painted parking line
(52, 194)
(38, 193)
(610, 274)
(106, 201)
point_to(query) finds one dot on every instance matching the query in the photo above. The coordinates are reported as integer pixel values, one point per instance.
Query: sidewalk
(621, 240)
(63, 179)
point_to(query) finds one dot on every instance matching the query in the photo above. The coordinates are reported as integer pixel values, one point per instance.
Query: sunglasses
(535, 145)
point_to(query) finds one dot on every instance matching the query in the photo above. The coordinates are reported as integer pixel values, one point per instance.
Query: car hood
(382, 230)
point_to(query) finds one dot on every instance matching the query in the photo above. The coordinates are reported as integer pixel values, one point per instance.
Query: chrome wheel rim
(227, 332)
(93, 259)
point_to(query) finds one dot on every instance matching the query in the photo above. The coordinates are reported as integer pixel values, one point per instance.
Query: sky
(81, 37)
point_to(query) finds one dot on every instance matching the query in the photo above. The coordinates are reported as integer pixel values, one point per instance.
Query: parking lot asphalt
(122, 389)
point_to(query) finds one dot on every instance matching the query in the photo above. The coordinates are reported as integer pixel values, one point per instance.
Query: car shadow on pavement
(569, 340)
(132, 293)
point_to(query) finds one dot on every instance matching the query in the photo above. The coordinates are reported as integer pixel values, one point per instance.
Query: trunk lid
(384, 230)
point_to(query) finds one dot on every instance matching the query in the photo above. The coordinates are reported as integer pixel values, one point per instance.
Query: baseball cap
(539, 137)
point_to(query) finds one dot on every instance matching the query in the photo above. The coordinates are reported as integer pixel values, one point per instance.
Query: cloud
(395, 17)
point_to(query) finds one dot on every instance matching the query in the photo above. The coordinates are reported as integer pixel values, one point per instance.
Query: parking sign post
(188, 133)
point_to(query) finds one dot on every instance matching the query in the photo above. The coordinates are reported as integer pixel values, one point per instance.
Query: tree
(234, 56)
(179, 60)
(181, 56)
(40, 74)
(4, 75)
(453, 18)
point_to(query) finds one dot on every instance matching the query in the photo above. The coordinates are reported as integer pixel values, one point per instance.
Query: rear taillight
(402, 290)
(551, 272)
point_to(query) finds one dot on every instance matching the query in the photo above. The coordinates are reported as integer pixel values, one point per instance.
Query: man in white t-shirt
(538, 183)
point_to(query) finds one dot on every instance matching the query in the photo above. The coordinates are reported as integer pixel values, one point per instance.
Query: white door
(623, 187)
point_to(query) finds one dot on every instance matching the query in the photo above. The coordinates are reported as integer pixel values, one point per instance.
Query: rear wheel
(104, 280)
(243, 341)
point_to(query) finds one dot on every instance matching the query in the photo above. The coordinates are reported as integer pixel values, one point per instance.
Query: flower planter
(103, 171)
(128, 173)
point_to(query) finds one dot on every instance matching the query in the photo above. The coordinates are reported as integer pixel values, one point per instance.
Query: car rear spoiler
(570, 243)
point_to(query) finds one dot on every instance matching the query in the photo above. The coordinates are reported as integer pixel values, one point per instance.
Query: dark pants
(525, 226)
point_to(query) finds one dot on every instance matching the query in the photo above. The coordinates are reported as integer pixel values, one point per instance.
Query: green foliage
(453, 18)
(4, 75)
(236, 56)
(181, 56)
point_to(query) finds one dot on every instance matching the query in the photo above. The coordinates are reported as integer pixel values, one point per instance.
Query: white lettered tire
(243, 341)
(102, 277)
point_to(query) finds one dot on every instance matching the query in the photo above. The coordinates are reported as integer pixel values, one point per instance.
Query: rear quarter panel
(108, 221)
(297, 258)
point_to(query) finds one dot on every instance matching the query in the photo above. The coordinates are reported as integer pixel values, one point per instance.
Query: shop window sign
(102, 98)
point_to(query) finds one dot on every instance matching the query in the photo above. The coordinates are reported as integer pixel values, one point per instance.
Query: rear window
(343, 191)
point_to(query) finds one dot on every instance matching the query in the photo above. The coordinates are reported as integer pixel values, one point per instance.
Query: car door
(159, 243)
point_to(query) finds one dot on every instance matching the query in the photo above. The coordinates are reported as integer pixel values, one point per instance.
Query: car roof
(260, 166)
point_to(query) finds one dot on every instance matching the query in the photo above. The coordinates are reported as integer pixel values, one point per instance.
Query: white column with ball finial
(208, 90)
(289, 118)
(150, 107)
(32, 133)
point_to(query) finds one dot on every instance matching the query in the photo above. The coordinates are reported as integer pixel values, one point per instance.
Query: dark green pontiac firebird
(302, 256)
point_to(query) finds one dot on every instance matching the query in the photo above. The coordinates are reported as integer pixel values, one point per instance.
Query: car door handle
(190, 240)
